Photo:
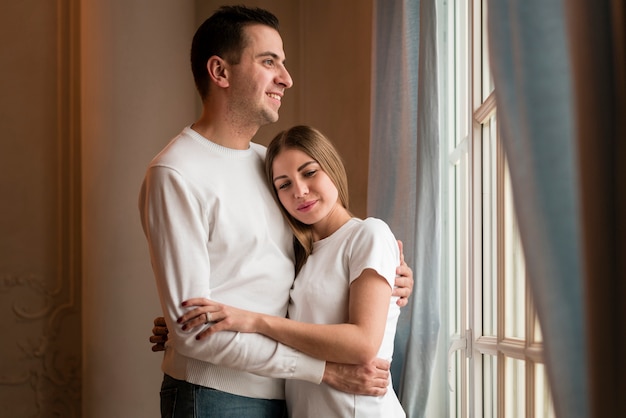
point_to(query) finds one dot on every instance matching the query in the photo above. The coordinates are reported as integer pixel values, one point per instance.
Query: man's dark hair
(222, 35)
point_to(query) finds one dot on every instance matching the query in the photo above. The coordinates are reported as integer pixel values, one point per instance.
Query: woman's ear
(218, 71)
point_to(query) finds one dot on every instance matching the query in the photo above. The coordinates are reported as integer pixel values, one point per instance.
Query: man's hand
(404, 280)
(370, 379)
(159, 334)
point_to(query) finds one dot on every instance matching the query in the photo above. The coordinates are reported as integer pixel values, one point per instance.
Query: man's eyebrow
(267, 54)
(270, 54)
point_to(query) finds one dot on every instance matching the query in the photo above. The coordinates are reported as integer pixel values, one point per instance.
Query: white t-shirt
(320, 295)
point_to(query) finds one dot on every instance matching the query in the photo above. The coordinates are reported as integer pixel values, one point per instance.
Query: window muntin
(496, 352)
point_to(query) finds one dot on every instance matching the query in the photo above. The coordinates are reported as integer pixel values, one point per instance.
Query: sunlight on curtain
(532, 78)
(404, 178)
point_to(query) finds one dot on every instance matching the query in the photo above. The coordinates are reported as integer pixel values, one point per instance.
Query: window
(495, 357)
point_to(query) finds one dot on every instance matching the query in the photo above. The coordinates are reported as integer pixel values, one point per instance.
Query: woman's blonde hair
(313, 143)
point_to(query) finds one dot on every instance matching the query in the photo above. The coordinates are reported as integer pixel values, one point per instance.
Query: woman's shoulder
(374, 224)
(373, 227)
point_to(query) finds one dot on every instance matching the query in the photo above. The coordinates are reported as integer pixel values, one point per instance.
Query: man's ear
(218, 71)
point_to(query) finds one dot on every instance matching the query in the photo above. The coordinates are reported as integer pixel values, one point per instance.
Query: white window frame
(468, 106)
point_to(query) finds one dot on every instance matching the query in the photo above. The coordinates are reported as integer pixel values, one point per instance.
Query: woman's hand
(222, 317)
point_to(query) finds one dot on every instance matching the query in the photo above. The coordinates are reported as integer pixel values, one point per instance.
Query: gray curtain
(532, 72)
(404, 178)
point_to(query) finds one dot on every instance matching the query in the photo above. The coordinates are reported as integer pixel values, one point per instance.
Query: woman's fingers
(203, 311)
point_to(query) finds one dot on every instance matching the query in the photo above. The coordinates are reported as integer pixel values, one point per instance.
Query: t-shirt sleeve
(374, 246)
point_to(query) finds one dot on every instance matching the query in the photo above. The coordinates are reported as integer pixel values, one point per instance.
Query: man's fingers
(382, 365)
(159, 334)
(158, 339)
(158, 347)
(402, 292)
(401, 248)
(159, 330)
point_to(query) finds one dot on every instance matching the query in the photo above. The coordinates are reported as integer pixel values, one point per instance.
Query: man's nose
(284, 78)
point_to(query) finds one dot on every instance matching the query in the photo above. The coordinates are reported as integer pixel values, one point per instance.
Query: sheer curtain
(404, 178)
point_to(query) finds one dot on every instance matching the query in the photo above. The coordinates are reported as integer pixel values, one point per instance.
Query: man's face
(260, 79)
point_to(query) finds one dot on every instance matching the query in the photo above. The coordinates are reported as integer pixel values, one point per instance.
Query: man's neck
(223, 133)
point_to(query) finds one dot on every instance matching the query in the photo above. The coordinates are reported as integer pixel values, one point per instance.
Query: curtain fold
(531, 68)
(404, 178)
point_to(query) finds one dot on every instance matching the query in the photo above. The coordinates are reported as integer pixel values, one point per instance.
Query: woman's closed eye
(282, 185)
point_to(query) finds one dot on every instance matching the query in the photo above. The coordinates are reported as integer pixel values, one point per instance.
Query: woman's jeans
(180, 399)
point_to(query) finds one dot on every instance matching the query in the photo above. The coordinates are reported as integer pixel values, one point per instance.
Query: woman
(341, 306)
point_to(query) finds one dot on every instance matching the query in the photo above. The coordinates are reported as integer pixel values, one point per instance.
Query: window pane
(455, 288)
(514, 388)
(454, 380)
(543, 399)
(490, 387)
(538, 337)
(514, 269)
(490, 230)
(462, 81)
(487, 80)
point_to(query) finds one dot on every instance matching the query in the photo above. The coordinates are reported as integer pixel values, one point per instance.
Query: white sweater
(214, 231)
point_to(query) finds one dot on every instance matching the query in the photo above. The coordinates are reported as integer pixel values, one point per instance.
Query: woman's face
(303, 188)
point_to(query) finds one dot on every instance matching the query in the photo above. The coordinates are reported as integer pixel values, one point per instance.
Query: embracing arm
(370, 379)
(402, 289)
(355, 342)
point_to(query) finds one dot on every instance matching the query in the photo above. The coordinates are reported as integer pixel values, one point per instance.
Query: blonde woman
(341, 307)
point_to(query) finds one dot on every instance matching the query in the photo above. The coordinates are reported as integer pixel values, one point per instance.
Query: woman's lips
(306, 206)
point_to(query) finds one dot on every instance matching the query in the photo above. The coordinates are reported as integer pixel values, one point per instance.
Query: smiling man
(214, 231)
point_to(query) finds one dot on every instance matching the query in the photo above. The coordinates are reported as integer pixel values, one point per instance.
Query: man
(214, 231)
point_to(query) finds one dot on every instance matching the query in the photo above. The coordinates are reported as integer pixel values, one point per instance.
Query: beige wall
(335, 76)
(40, 281)
(91, 90)
(135, 97)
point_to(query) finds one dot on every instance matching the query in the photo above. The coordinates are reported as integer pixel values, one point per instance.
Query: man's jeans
(180, 399)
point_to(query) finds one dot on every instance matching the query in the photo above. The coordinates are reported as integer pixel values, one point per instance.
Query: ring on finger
(208, 318)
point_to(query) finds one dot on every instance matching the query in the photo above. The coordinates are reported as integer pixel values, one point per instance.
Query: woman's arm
(354, 342)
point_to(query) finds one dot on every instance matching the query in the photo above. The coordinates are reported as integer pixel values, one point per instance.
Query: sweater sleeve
(173, 222)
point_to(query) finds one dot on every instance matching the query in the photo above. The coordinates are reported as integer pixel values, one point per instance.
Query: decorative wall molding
(48, 360)
(40, 374)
